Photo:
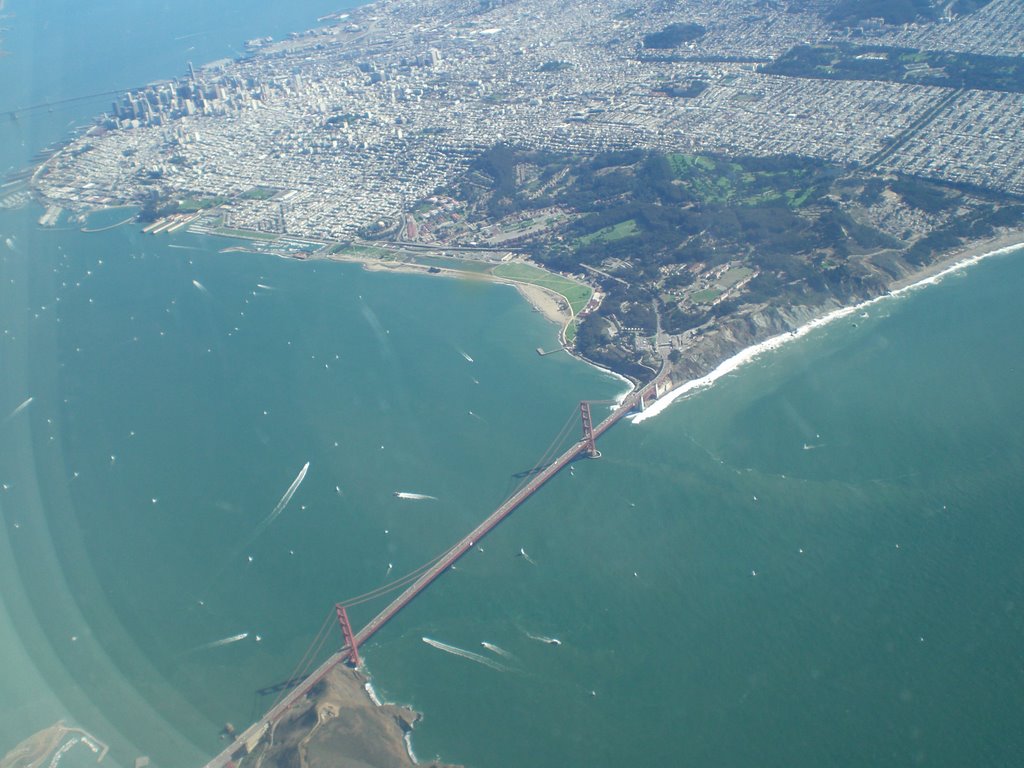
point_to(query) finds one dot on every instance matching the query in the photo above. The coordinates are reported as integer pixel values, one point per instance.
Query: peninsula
(686, 179)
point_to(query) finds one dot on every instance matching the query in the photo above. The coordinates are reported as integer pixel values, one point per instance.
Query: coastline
(951, 263)
(547, 302)
(551, 305)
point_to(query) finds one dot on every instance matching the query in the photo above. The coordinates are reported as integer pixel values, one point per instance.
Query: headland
(340, 723)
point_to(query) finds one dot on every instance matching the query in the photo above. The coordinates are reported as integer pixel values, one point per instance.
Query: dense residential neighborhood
(349, 125)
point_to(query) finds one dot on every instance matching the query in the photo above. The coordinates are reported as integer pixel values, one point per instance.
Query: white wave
(200, 286)
(265, 287)
(414, 496)
(467, 357)
(372, 694)
(465, 654)
(407, 738)
(20, 408)
(750, 353)
(9, 242)
(495, 649)
(223, 641)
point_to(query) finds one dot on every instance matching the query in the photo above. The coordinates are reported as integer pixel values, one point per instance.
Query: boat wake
(465, 654)
(466, 357)
(284, 500)
(275, 512)
(200, 286)
(223, 642)
(414, 496)
(19, 409)
(495, 649)
(265, 523)
(544, 639)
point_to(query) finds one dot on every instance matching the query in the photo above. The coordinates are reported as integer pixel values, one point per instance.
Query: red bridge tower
(346, 631)
(588, 431)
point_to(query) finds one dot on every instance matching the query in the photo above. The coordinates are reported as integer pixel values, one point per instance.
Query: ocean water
(813, 562)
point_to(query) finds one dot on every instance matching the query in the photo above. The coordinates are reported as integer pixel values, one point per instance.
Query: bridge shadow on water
(530, 472)
(284, 685)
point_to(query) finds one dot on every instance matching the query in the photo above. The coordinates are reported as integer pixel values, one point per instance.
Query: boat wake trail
(275, 513)
(414, 496)
(465, 654)
(526, 557)
(286, 498)
(464, 355)
(222, 642)
(544, 639)
(495, 649)
(269, 519)
(19, 409)
(265, 523)
(200, 286)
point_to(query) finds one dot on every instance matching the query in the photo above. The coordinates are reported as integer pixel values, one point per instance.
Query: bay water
(813, 562)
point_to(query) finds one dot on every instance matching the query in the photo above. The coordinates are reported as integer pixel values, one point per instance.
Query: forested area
(844, 61)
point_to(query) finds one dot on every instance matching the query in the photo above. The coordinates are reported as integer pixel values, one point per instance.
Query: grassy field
(733, 276)
(576, 294)
(721, 182)
(258, 193)
(705, 296)
(369, 251)
(626, 228)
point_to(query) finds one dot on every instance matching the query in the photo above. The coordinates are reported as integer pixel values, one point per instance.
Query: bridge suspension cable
(391, 586)
(552, 451)
(308, 657)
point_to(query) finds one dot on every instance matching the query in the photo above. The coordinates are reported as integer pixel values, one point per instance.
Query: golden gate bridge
(413, 584)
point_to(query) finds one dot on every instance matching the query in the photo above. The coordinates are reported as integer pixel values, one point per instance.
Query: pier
(349, 653)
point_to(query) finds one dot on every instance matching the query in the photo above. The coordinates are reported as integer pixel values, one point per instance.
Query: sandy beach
(953, 258)
(550, 304)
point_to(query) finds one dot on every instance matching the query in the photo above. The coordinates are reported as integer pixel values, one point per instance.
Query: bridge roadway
(252, 734)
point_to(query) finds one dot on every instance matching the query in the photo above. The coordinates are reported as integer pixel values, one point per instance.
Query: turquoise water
(813, 562)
